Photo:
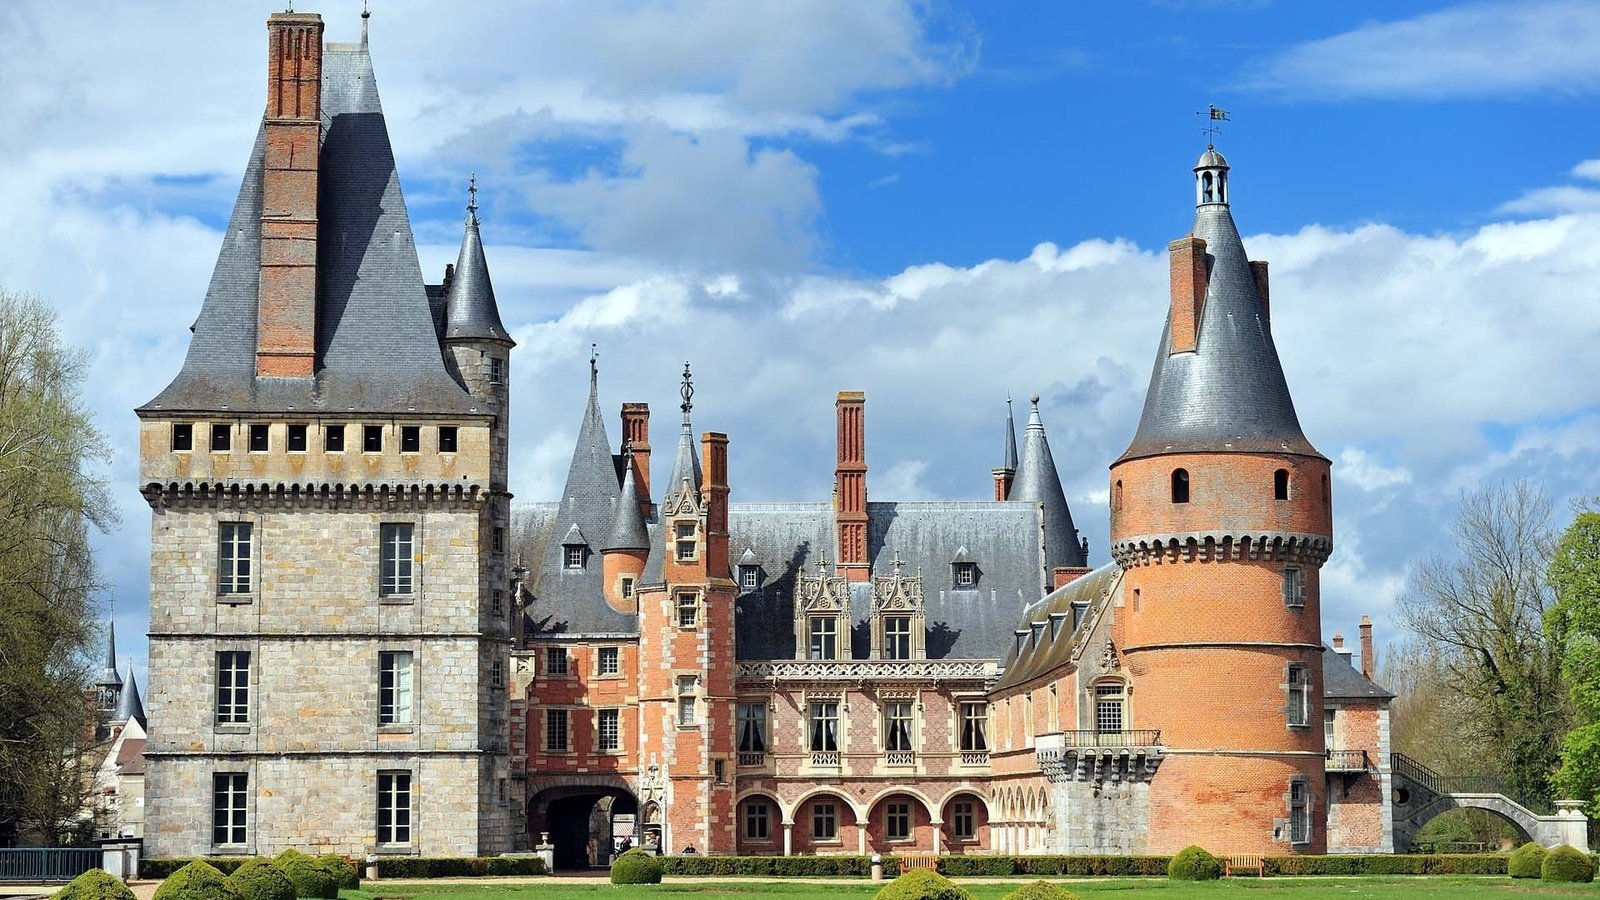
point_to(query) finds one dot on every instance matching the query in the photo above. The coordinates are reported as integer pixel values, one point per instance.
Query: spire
(1220, 389)
(1009, 457)
(687, 463)
(129, 705)
(471, 312)
(1038, 482)
(366, 16)
(628, 530)
(108, 676)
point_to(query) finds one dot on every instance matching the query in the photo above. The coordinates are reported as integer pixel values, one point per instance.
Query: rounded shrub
(341, 868)
(636, 867)
(1041, 890)
(198, 880)
(1526, 861)
(310, 878)
(259, 879)
(921, 884)
(95, 884)
(1193, 863)
(1567, 864)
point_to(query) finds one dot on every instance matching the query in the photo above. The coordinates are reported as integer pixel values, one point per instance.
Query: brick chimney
(1061, 576)
(1187, 258)
(714, 463)
(850, 486)
(636, 437)
(1002, 481)
(287, 303)
(1258, 271)
(1368, 664)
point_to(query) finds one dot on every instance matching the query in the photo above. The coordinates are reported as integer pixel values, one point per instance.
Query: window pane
(397, 562)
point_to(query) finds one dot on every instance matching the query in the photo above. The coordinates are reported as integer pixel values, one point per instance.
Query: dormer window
(574, 557)
(749, 578)
(684, 541)
(896, 637)
(966, 574)
(824, 637)
(574, 548)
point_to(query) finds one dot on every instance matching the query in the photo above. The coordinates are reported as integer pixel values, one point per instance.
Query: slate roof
(130, 757)
(109, 676)
(1053, 650)
(628, 530)
(376, 347)
(1008, 457)
(1229, 394)
(129, 705)
(471, 312)
(1342, 680)
(1038, 482)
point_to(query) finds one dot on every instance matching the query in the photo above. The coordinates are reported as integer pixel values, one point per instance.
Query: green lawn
(1329, 888)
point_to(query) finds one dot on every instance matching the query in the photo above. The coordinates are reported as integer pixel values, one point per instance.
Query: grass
(1325, 888)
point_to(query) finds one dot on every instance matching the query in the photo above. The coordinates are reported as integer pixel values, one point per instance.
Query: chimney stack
(850, 486)
(636, 439)
(1368, 665)
(287, 302)
(714, 463)
(1187, 259)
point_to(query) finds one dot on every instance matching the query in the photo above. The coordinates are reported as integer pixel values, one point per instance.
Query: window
(297, 438)
(1299, 813)
(627, 587)
(688, 686)
(610, 730)
(233, 557)
(1116, 495)
(555, 661)
(555, 731)
(333, 438)
(394, 687)
(497, 673)
(1328, 716)
(688, 610)
(497, 539)
(897, 821)
(498, 598)
(1294, 586)
(394, 807)
(448, 437)
(410, 438)
(753, 727)
(719, 771)
(749, 578)
(824, 821)
(1180, 486)
(1280, 484)
(897, 726)
(897, 637)
(1108, 707)
(824, 637)
(228, 822)
(685, 540)
(182, 436)
(497, 370)
(221, 438)
(963, 824)
(372, 439)
(755, 820)
(825, 726)
(573, 556)
(966, 574)
(974, 726)
(258, 439)
(1299, 707)
(609, 661)
(396, 552)
(233, 687)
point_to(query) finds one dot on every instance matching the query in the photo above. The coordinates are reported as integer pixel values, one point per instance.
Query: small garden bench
(919, 861)
(1243, 863)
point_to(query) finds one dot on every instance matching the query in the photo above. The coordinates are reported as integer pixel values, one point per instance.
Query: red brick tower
(1221, 517)
(686, 661)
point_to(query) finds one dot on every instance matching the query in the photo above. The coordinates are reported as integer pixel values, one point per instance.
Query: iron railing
(1078, 740)
(1418, 773)
(46, 863)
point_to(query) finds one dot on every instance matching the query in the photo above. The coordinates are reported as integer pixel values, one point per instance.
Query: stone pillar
(938, 836)
(1574, 824)
(788, 839)
(861, 838)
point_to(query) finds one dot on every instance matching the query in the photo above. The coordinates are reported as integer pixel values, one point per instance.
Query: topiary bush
(95, 884)
(1040, 890)
(1193, 863)
(341, 868)
(259, 879)
(1567, 864)
(196, 881)
(921, 884)
(1526, 861)
(636, 867)
(309, 877)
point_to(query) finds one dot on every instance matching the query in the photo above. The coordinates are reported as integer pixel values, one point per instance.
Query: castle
(343, 658)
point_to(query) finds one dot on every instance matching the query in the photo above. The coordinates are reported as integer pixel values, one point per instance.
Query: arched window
(1110, 706)
(1222, 187)
(1206, 195)
(1116, 495)
(1280, 484)
(1325, 497)
(1180, 485)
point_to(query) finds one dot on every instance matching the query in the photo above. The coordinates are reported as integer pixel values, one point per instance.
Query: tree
(1575, 575)
(1482, 610)
(49, 501)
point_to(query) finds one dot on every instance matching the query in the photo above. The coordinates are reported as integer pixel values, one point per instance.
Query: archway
(1409, 819)
(587, 824)
(966, 823)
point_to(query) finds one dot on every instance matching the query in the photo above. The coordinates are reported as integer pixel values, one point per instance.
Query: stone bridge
(1420, 794)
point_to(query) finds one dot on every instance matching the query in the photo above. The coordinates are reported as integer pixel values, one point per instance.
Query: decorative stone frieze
(1219, 546)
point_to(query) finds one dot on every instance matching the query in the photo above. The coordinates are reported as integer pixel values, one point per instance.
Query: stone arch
(1409, 823)
(974, 790)
(856, 809)
(785, 812)
(748, 830)
(907, 790)
(585, 817)
(955, 825)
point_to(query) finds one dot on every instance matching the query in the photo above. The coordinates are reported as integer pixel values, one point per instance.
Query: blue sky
(935, 202)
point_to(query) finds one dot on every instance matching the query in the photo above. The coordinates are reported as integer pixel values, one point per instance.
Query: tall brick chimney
(714, 463)
(1368, 663)
(287, 303)
(1187, 257)
(850, 486)
(636, 439)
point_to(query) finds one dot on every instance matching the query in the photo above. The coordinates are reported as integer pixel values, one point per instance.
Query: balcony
(1084, 740)
(900, 758)
(825, 759)
(1099, 756)
(752, 760)
(1348, 761)
(974, 757)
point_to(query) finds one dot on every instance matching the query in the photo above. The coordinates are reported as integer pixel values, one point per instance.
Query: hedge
(1566, 864)
(1388, 864)
(769, 865)
(95, 884)
(1526, 861)
(921, 884)
(157, 867)
(196, 881)
(458, 866)
(1194, 863)
(259, 879)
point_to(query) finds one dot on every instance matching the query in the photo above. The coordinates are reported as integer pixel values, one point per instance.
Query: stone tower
(327, 481)
(686, 655)
(1221, 518)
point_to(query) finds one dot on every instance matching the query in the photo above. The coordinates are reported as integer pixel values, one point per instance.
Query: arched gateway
(588, 820)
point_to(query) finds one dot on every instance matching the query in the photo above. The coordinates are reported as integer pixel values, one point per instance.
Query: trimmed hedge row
(1388, 864)
(1083, 866)
(388, 866)
(154, 867)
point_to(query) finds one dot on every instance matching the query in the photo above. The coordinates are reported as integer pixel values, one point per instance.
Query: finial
(1032, 398)
(1008, 401)
(594, 364)
(1213, 116)
(366, 16)
(687, 392)
(822, 567)
(897, 562)
(472, 197)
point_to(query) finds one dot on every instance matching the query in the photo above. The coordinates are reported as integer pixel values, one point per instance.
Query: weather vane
(1213, 116)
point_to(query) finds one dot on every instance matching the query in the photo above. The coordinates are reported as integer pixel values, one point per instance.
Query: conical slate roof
(1008, 459)
(1037, 481)
(1229, 393)
(109, 676)
(686, 465)
(471, 313)
(628, 530)
(129, 705)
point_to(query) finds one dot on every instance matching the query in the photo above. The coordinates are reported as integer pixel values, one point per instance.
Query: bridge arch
(1411, 822)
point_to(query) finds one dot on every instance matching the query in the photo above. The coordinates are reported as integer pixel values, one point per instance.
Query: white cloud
(1477, 49)
(1589, 168)
(1362, 469)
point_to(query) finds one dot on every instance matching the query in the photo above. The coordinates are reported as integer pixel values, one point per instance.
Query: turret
(626, 548)
(476, 344)
(1221, 519)
(1038, 482)
(130, 706)
(1005, 473)
(109, 687)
